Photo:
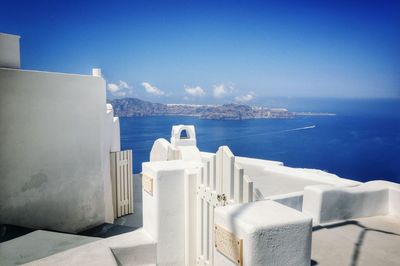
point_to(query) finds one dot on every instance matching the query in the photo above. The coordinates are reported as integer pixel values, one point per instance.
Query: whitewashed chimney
(96, 72)
(9, 51)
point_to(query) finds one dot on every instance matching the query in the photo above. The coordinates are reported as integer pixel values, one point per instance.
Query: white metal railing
(121, 182)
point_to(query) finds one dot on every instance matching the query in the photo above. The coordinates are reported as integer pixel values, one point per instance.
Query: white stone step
(134, 248)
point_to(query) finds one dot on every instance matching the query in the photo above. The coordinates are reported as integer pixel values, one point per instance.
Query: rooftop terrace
(64, 180)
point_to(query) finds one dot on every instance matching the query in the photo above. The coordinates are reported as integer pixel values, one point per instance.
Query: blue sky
(216, 51)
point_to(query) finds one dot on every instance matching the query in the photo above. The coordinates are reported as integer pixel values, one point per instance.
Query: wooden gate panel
(122, 183)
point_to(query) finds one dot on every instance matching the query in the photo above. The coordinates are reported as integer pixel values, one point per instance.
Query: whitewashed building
(56, 137)
(62, 169)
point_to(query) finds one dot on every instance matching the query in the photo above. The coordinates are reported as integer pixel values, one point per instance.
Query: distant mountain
(131, 107)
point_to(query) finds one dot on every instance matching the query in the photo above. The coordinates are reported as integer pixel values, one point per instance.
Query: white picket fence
(221, 182)
(122, 182)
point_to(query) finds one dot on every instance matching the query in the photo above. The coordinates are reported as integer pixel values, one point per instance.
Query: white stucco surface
(255, 162)
(54, 152)
(189, 154)
(293, 200)
(9, 51)
(272, 178)
(272, 233)
(111, 144)
(164, 210)
(276, 179)
(179, 148)
(112, 128)
(327, 203)
(394, 201)
(162, 150)
(176, 139)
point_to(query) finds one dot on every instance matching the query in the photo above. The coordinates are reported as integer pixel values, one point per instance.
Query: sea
(361, 142)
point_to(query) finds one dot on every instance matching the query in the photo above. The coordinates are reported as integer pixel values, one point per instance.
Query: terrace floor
(38, 244)
(20, 245)
(364, 241)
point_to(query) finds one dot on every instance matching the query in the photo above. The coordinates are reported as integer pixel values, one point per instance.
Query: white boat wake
(263, 134)
(246, 135)
(299, 128)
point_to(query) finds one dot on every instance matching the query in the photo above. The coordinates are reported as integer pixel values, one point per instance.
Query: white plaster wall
(162, 150)
(253, 162)
(9, 51)
(115, 140)
(112, 130)
(272, 233)
(285, 172)
(264, 168)
(189, 154)
(272, 180)
(176, 136)
(53, 152)
(394, 201)
(293, 200)
(164, 211)
(326, 203)
(112, 144)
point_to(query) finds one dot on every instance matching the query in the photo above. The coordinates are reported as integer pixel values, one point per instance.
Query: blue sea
(361, 142)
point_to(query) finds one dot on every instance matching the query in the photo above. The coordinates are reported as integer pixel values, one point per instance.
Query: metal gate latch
(221, 198)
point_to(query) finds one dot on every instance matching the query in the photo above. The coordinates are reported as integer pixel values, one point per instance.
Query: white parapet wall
(269, 234)
(112, 143)
(326, 203)
(112, 129)
(162, 150)
(394, 200)
(164, 208)
(272, 180)
(56, 137)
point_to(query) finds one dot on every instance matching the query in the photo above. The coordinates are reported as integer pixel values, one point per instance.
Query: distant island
(133, 107)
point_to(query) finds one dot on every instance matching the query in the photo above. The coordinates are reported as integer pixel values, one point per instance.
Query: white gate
(221, 182)
(121, 182)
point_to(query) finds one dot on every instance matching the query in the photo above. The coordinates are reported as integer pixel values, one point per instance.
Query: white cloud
(220, 90)
(112, 87)
(245, 98)
(195, 91)
(119, 89)
(124, 85)
(152, 89)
